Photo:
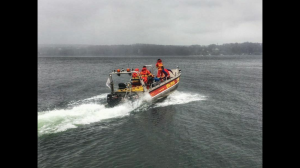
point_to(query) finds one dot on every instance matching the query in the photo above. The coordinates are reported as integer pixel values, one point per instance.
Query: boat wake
(178, 97)
(93, 110)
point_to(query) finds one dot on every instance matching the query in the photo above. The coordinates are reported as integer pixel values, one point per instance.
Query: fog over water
(168, 22)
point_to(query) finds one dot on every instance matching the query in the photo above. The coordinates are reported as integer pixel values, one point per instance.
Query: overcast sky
(167, 22)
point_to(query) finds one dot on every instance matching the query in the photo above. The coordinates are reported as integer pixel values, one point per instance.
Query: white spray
(89, 111)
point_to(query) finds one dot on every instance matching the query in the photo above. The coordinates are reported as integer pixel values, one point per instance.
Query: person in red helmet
(135, 81)
(145, 73)
(159, 65)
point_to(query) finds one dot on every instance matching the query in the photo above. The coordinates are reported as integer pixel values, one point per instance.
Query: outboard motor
(113, 100)
(122, 86)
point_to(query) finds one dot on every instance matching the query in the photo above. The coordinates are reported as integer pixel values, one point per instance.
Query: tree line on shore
(246, 48)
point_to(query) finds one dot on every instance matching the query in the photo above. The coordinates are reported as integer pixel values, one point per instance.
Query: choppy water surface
(214, 119)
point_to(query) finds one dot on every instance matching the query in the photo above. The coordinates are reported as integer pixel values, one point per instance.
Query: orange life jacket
(145, 73)
(135, 75)
(159, 64)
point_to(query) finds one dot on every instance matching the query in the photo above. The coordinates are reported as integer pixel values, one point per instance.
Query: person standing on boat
(145, 73)
(159, 65)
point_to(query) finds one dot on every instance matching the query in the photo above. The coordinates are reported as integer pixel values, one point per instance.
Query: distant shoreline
(146, 56)
(51, 50)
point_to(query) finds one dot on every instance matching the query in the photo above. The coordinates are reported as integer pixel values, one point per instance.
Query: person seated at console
(135, 80)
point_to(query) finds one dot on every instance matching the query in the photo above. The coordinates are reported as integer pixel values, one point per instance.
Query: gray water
(214, 119)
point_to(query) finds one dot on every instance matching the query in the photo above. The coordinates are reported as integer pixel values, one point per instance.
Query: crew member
(170, 71)
(159, 66)
(135, 74)
(135, 81)
(165, 74)
(145, 73)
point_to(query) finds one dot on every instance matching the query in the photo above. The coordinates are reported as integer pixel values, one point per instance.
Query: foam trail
(89, 100)
(178, 97)
(89, 111)
(62, 119)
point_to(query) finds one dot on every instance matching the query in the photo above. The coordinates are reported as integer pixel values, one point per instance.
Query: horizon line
(146, 44)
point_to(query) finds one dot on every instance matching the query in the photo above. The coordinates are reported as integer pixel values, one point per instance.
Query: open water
(213, 119)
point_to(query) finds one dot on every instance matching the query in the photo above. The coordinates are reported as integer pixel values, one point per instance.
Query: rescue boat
(136, 88)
